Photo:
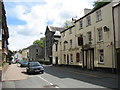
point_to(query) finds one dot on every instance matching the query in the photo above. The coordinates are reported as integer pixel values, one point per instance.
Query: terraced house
(89, 43)
(4, 31)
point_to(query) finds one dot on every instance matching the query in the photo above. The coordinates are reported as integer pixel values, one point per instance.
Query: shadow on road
(60, 72)
(24, 72)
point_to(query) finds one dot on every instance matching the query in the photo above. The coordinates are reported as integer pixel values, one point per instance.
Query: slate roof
(51, 28)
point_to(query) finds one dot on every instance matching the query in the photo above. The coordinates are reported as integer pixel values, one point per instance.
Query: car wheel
(42, 72)
(28, 72)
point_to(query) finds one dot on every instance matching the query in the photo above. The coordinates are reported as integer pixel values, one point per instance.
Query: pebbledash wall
(89, 43)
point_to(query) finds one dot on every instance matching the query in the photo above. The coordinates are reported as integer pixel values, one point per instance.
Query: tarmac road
(60, 77)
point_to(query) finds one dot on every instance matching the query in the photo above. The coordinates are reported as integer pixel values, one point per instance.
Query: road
(59, 77)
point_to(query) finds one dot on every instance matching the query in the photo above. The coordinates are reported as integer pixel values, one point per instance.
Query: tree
(99, 3)
(40, 42)
(68, 24)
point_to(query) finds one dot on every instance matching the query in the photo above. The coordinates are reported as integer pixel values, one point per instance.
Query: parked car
(23, 63)
(34, 67)
(13, 61)
(19, 61)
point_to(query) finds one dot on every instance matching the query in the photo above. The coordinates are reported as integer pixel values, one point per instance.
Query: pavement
(14, 72)
(0, 78)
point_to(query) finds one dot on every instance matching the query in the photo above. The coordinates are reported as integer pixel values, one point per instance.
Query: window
(70, 31)
(36, 55)
(80, 41)
(64, 58)
(63, 34)
(77, 57)
(56, 47)
(88, 21)
(89, 37)
(100, 34)
(81, 24)
(98, 15)
(36, 50)
(71, 58)
(70, 43)
(65, 45)
(101, 56)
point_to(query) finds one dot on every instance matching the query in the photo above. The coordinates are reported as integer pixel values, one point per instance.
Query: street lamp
(45, 49)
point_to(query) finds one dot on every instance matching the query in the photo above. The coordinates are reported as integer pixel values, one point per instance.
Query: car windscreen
(34, 64)
(25, 61)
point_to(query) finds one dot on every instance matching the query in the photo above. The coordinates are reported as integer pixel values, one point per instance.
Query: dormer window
(81, 24)
(70, 31)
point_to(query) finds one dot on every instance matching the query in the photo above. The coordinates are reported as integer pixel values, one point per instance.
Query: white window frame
(101, 56)
(98, 16)
(88, 18)
(71, 43)
(100, 34)
(89, 34)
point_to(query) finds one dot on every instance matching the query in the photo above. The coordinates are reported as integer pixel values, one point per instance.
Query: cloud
(36, 17)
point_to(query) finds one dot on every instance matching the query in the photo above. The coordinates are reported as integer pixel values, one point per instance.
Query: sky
(27, 20)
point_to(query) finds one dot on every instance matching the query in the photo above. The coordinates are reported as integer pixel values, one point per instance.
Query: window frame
(98, 16)
(88, 19)
(89, 35)
(99, 56)
(71, 43)
(81, 24)
(100, 34)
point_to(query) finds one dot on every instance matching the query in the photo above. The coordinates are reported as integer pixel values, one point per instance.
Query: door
(90, 59)
(67, 59)
(118, 66)
(56, 60)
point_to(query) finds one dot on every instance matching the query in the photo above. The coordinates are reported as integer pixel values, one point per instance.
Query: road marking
(47, 81)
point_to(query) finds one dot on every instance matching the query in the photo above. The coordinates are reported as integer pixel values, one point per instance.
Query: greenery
(99, 3)
(40, 42)
(10, 59)
(4, 63)
(68, 24)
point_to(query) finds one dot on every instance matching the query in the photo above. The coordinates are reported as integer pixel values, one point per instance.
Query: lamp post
(44, 49)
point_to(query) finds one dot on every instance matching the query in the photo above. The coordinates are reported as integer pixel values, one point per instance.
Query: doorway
(90, 59)
(56, 60)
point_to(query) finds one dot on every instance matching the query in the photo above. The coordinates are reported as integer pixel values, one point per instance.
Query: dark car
(34, 67)
(24, 63)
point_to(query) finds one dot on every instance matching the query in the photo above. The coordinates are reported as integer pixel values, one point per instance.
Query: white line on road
(47, 81)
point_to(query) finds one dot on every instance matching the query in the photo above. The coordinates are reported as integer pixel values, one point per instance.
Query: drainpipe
(114, 45)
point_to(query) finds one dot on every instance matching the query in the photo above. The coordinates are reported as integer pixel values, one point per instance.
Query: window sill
(101, 63)
(88, 25)
(98, 21)
(80, 28)
(99, 41)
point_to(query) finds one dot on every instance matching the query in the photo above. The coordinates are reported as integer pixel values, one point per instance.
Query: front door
(67, 59)
(90, 59)
(56, 60)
